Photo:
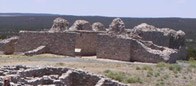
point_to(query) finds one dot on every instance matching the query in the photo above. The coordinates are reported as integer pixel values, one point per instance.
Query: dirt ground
(181, 74)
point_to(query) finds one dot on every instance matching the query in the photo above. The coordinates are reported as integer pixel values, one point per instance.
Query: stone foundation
(25, 76)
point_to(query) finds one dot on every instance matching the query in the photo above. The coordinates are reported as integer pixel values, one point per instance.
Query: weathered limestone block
(81, 25)
(59, 25)
(97, 26)
(8, 45)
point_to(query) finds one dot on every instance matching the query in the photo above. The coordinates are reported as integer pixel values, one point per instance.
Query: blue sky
(115, 8)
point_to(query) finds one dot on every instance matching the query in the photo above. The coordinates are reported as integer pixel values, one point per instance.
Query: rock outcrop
(59, 25)
(80, 25)
(36, 76)
(97, 26)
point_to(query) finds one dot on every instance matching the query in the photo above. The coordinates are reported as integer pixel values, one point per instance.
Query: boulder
(80, 25)
(97, 26)
(59, 25)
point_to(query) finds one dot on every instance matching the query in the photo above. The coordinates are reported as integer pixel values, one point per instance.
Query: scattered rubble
(35, 76)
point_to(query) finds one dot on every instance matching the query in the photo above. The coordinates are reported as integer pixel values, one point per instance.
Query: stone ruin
(59, 25)
(80, 25)
(38, 76)
(98, 26)
(143, 43)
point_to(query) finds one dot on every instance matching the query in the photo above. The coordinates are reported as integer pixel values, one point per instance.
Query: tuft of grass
(156, 74)
(138, 68)
(149, 74)
(122, 77)
(166, 76)
(175, 68)
(119, 76)
(147, 68)
(134, 80)
(60, 64)
(161, 64)
(192, 63)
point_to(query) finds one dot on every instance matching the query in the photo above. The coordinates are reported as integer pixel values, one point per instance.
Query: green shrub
(119, 76)
(192, 53)
(133, 80)
(138, 68)
(122, 77)
(2, 37)
(149, 73)
(161, 64)
(147, 68)
(157, 74)
(192, 63)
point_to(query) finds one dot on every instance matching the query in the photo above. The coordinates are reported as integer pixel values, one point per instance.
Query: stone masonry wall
(87, 42)
(61, 43)
(128, 49)
(109, 47)
(156, 37)
(20, 75)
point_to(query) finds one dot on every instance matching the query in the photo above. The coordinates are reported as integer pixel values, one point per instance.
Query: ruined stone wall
(128, 49)
(87, 42)
(61, 43)
(50, 76)
(109, 47)
(156, 37)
